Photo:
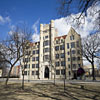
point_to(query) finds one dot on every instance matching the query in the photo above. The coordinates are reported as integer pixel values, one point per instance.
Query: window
(72, 37)
(37, 46)
(68, 52)
(69, 73)
(78, 58)
(29, 52)
(37, 51)
(63, 72)
(78, 51)
(28, 66)
(67, 45)
(26, 52)
(33, 65)
(33, 52)
(74, 65)
(57, 41)
(62, 41)
(62, 55)
(46, 50)
(57, 72)
(69, 66)
(46, 37)
(28, 72)
(37, 58)
(32, 72)
(62, 63)
(73, 58)
(33, 58)
(25, 72)
(46, 57)
(62, 47)
(25, 66)
(45, 31)
(26, 59)
(29, 59)
(57, 56)
(73, 45)
(68, 59)
(57, 48)
(37, 65)
(45, 43)
(57, 63)
(37, 72)
(73, 51)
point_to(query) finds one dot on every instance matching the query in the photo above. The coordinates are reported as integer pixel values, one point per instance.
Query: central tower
(46, 54)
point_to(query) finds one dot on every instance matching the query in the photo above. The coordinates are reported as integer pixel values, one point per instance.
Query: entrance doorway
(46, 73)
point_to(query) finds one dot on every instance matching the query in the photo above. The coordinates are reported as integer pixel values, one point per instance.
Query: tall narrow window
(57, 72)
(62, 47)
(72, 37)
(62, 55)
(33, 65)
(33, 58)
(25, 72)
(57, 63)
(57, 48)
(67, 45)
(32, 72)
(73, 45)
(62, 63)
(33, 52)
(63, 72)
(37, 58)
(37, 65)
(57, 56)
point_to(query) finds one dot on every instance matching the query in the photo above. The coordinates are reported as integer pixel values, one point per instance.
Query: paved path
(52, 81)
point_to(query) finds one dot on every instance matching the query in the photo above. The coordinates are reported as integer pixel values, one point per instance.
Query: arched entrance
(46, 73)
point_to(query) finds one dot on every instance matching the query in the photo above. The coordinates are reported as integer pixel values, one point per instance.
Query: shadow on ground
(48, 91)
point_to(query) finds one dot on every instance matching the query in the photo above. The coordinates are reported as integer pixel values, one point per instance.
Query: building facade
(53, 56)
(15, 72)
(0, 72)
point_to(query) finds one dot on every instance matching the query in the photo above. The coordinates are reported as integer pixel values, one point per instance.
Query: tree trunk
(54, 79)
(64, 84)
(8, 75)
(23, 80)
(93, 71)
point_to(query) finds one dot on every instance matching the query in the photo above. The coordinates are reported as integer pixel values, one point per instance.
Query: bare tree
(81, 6)
(14, 46)
(26, 58)
(91, 49)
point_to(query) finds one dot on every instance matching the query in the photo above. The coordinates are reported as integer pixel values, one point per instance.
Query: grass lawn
(47, 91)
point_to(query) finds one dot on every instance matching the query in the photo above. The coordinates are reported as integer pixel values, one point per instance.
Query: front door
(46, 73)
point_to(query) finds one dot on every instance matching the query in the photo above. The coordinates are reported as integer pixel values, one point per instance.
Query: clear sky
(29, 11)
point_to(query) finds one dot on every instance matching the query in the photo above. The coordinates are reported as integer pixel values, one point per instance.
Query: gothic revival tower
(46, 54)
